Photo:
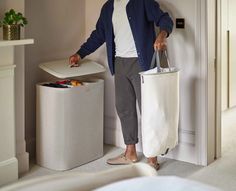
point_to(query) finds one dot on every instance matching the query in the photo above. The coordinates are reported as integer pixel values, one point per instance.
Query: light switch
(180, 23)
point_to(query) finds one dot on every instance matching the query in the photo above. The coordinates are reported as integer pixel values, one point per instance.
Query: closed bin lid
(61, 68)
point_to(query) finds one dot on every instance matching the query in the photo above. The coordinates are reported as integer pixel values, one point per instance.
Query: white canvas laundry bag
(160, 108)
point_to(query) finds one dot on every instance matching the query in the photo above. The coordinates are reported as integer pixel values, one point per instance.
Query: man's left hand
(161, 42)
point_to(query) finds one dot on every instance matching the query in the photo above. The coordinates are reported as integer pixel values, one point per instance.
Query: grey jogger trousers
(128, 90)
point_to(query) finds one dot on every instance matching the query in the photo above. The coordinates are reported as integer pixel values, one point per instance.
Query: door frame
(218, 79)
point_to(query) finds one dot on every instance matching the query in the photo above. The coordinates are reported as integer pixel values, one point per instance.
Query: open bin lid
(61, 68)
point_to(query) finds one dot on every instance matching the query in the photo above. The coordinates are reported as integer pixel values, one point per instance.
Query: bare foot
(152, 161)
(131, 153)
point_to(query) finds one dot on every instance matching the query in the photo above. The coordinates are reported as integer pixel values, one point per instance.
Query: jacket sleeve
(96, 39)
(155, 14)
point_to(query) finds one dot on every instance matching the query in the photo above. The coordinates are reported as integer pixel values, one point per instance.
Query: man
(127, 27)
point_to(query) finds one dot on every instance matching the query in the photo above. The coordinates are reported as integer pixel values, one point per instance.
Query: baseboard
(185, 151)
(114, 137)
(113, 134)
(22, 156)
(8, 171)
(23, 163)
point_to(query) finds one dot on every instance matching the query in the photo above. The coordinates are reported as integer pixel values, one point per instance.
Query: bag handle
(156, 60)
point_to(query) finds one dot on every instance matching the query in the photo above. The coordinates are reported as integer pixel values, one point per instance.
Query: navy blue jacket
(142, 15)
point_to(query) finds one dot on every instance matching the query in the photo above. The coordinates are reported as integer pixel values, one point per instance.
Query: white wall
(188, 51)
(57, 36)
(112, 131)
(19, 59)
(58, 27)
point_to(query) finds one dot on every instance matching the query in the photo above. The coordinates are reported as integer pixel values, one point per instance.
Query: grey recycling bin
(69, 121)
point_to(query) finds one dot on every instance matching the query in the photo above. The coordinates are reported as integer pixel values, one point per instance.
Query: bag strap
(168, 60)
(156, 60)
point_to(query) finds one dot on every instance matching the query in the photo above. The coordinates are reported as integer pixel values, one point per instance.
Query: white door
(231, 53)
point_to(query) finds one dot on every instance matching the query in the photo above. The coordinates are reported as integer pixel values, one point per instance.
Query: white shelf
(16, 42)
(7, 67)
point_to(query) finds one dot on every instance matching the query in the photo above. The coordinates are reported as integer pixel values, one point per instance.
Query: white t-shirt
(124, 40)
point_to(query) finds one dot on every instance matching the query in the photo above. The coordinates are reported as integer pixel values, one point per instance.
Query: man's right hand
(74, 60)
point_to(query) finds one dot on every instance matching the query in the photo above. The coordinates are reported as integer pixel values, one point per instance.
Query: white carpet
(222, 173)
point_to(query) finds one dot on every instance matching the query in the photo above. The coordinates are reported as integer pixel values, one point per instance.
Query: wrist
(163, 34)
(78, 56)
